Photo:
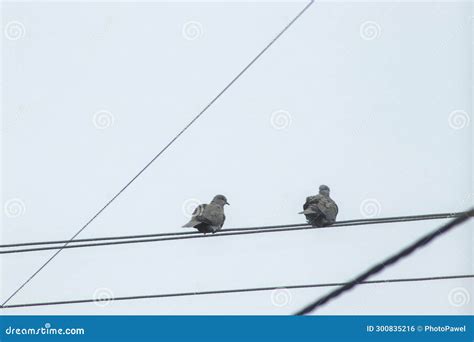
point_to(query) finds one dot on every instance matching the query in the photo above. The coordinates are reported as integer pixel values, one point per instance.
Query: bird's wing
(329, 208)
(306, 204)
(199, 210)
(310, 200)
(311, 210)
(197, 216)
(193, 222)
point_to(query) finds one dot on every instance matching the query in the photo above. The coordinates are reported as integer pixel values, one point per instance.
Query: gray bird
(320, 210)
(209, 218)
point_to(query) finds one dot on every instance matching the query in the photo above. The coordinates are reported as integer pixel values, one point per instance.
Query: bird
(209, 218)
(320, 210)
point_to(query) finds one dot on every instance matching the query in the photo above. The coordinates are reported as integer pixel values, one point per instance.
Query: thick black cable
(235, 231)
(254, 289)
(168, 145)
(425, 240)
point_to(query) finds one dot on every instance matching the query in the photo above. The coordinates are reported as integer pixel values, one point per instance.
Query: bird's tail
(191, 224)
(308, 212)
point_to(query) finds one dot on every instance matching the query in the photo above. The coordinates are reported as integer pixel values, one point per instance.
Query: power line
(132, 239)
(168, 145)
(337, 224)
(425, 240)
(214, 292)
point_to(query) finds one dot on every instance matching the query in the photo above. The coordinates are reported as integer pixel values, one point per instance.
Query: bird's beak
(227, 203)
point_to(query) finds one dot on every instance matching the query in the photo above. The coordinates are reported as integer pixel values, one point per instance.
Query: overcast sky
(371, 99)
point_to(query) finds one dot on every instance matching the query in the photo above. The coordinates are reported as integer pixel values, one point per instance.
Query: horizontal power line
(254, 289)
(405, 252)
(132, 239)
(337, 224)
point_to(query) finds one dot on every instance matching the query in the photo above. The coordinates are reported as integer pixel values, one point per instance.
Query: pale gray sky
(378, 103)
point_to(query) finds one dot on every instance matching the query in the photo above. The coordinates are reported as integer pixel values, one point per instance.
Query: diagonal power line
(166, 146)
(405, 252)
(241, 290)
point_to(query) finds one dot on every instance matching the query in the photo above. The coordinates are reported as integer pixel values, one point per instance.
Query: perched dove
(209, 218)
(320, 210)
